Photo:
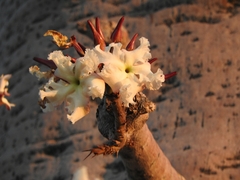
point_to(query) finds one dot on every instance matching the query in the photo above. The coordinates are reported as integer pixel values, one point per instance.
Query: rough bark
(129, 136)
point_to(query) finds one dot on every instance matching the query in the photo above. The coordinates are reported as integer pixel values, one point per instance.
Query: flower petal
(4, 91)
(139, 55)
(55, 92)
(110, 55)
(113, 76)
(4, 82)
(94, 86)
(77, 105)
(155, 80)
(4, 101)
(86, 65)
(128, 90)
(64, 66)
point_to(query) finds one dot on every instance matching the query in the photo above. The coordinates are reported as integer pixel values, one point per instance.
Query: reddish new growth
(116, 36)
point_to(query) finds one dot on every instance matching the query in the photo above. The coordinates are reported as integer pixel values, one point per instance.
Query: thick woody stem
(120, 120)
(143, 158)
(128, 135)
(111, 117)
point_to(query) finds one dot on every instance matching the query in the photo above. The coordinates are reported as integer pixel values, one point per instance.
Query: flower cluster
(71, 83)
(4, 91)
(73, 80)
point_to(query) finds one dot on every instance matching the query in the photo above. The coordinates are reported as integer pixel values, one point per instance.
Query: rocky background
(197, 119)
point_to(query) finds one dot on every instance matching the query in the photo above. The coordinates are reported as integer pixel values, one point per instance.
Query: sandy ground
(198, 112)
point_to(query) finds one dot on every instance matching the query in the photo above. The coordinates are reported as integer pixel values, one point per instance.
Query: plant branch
(128, 134)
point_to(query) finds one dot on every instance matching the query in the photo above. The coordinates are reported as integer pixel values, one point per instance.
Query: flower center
(128, 69)
(76, 82)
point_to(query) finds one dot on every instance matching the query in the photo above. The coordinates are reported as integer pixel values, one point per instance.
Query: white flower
(128, 72)
(72, 83)
(3, 91)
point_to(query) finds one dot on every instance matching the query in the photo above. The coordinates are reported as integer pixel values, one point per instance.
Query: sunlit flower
(72, 83)
(4, 91)
(128, 72)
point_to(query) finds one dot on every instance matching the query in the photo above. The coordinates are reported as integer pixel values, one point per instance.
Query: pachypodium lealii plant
(118, 76)
(4, 91)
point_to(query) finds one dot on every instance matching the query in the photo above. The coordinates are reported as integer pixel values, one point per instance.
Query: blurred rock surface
(197, 118)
